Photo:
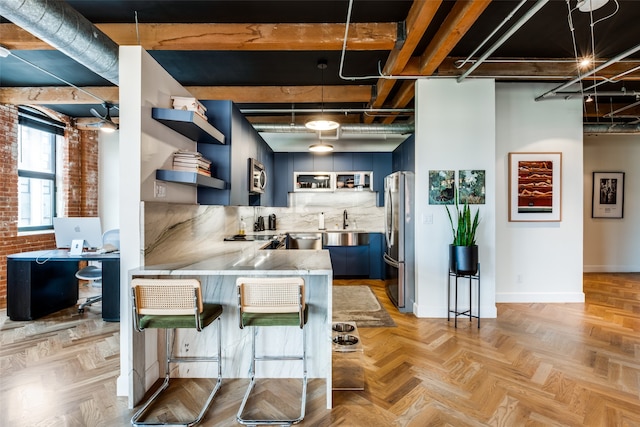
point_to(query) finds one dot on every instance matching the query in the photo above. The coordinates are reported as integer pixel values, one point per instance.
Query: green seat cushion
(273, 319)
(209, 313)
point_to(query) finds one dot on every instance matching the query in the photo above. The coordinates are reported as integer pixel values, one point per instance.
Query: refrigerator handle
(388, 213)
(392, 262)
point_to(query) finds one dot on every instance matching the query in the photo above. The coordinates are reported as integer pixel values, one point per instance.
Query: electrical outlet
(159, 189)
(519, 278)
(427, 218)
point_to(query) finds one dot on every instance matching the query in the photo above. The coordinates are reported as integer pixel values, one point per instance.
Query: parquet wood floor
(535, 365)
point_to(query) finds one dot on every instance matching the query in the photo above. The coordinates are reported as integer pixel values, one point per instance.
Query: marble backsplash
(183, 232)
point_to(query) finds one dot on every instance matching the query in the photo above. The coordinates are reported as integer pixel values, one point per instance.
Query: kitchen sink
(305, 241)
(345, 238)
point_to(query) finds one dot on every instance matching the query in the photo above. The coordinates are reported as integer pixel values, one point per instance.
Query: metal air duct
(610, 128)
(360, 129)
(61, 26)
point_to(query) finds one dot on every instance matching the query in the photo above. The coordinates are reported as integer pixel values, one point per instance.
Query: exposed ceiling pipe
(536, 7)
(361, 129)
(619, 93)
(461, 63)
(325, 110)
(609, 128)
(613, 60)
(61, 26)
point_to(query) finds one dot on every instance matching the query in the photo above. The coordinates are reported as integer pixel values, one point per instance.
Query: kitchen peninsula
(218, 273)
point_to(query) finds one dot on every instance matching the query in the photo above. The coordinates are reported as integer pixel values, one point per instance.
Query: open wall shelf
(190, 178)
(189, 124)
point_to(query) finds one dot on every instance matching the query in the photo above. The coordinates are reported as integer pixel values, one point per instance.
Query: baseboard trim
(440, 312)
(611, 268)
(543, 297)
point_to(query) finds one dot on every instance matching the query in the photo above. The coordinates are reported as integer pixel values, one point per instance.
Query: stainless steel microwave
(257, 176)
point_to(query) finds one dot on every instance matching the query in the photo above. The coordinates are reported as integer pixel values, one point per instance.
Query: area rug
(358, 303)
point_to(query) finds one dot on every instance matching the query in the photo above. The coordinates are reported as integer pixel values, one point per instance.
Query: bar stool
(170, 304)
(272, 302)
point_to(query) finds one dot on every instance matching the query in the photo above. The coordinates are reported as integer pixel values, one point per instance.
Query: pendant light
(321, 147)
(322, 124)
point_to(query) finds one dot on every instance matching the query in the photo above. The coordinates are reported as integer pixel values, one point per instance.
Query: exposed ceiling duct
(360, 129)
(610, 128)
(61, 26)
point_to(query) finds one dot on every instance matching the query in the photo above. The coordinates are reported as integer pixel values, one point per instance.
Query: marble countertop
(247, 257)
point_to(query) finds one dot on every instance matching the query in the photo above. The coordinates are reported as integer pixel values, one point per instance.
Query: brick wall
(79, 186)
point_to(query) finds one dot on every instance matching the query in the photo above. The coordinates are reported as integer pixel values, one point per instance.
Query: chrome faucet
(344, 220)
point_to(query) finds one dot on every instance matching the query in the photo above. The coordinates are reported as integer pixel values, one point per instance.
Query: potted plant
(463, 251)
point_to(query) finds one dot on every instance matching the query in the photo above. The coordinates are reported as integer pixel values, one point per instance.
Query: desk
(43, 282)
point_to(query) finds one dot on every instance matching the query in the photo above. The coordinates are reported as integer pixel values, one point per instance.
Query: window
(38, 137)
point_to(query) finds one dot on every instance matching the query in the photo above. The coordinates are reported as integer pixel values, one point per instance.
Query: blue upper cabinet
(231, 160)
(381, 168)
(322, 162)
(404, 155)
(282, 178)
(363, 162)
(302, 162)
(342, 162)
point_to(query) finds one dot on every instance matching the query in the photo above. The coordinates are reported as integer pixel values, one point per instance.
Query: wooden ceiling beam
(57, 95)
(418, 20)
(238, 94)
(261, 37)
(537, 69)
(463, 15)
(459, 20)
(286, 94)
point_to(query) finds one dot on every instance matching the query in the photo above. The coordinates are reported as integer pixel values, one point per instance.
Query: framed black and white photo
(608, 195)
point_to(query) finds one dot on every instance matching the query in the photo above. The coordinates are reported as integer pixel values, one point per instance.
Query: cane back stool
(274, 301)
(172, 304)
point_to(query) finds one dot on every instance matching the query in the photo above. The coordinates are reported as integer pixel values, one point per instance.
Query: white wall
(109, 180)
(455, 129)
(612, 245)
(539, 261)
(145, 145)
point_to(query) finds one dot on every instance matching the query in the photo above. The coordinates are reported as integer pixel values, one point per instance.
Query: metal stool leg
(252, 382)
(169, 337)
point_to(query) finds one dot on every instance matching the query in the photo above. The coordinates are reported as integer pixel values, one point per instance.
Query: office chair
(93, 273)
(170, 304)
(274, 301)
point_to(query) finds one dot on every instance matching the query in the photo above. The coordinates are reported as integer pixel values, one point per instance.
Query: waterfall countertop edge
(247, 258)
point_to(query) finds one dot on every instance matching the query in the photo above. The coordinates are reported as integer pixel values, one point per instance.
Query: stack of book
(191, 161)
(191, 104)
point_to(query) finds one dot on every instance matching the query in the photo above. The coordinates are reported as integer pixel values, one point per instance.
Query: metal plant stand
(455, 311)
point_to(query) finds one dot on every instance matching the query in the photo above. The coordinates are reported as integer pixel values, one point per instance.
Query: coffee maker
(272, 222)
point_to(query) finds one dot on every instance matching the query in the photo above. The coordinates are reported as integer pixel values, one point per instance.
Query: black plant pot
(463, 259)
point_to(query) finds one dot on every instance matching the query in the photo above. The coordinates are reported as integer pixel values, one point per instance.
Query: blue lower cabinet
(376, 249)
(338, 260)
(358, 261)
(349, 261)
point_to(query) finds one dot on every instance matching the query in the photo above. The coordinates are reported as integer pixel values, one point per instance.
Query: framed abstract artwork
(535, 187)
(441, 187)
(608, 195)
(471, 187)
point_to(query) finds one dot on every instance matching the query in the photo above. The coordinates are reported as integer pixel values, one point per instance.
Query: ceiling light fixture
(585, 62)
(321, 148)
(322, 123)
(590, 5)
(589, 99)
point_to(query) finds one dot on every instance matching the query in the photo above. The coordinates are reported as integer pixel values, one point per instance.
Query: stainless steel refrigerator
(399, 210)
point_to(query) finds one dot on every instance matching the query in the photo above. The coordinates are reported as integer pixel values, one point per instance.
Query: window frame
(31, 119)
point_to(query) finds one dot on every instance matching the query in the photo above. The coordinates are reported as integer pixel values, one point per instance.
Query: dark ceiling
(541, 50)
